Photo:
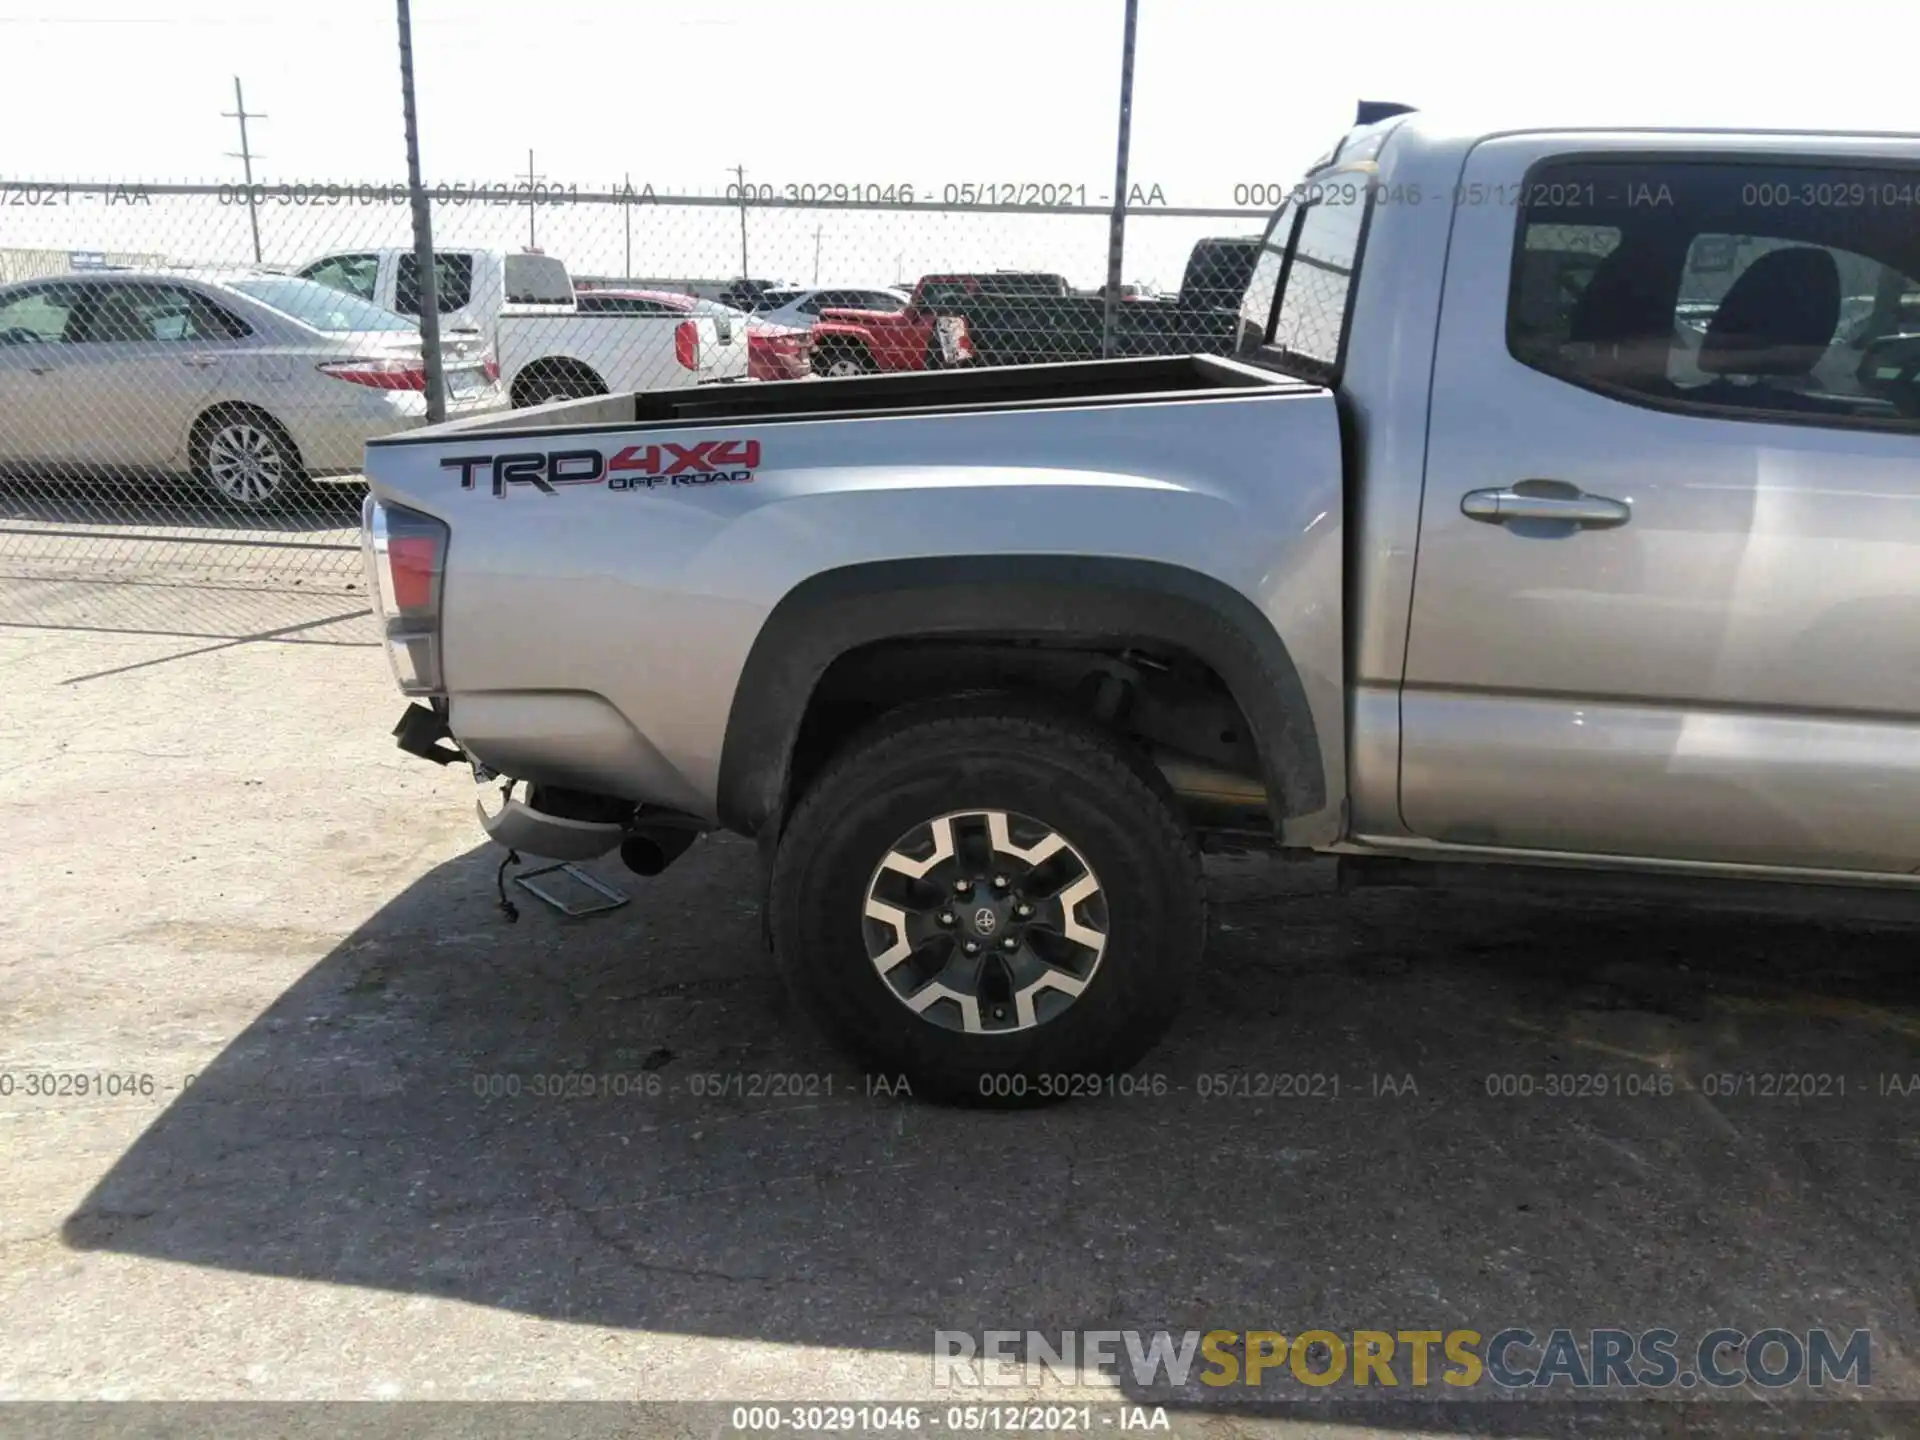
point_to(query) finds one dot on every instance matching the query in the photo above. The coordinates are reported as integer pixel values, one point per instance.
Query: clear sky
(884, 92)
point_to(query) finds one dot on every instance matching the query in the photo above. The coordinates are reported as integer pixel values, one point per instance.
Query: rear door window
(143, 314)
(40, 316)
(452, 283)
(1730, 286)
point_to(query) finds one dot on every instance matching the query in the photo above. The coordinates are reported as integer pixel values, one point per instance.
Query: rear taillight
(406, 556)
(490, 367)
(383, 374)
(686, 345)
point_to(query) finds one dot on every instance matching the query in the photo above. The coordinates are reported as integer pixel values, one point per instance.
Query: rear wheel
(999, 906)
(247, 459)
(541, 383)
(840, 359)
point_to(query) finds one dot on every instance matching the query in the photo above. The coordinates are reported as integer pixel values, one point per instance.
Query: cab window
(1308, 264)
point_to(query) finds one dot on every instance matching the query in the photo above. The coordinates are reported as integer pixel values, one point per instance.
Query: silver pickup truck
(1561, 508)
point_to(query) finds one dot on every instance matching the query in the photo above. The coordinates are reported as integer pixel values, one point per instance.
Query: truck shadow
(621, 1122)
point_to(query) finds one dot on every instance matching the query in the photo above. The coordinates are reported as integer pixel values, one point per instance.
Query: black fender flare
(1093, 599)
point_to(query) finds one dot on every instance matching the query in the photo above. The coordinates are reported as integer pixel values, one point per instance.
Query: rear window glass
(1263, 286)
(1024, 284)
(320, 306)
(537, 280)
(452, 283)
(1311, 322)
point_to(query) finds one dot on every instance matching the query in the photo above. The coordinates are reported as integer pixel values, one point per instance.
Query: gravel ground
(328, 1170)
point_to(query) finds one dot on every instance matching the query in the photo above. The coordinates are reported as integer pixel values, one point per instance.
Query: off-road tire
(1108, 804)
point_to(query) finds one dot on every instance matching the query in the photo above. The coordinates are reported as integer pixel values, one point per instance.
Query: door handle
(200, 362)
(39, 369)
(1545, 500)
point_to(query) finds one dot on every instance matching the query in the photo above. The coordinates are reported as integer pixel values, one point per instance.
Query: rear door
(143, 360)
(1667, 601)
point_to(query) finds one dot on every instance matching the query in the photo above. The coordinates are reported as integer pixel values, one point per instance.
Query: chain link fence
(189, 372)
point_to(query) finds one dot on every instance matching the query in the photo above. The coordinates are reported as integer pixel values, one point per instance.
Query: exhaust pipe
(649, 849)
(1213, 789)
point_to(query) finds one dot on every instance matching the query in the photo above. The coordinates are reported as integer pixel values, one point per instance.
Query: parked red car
(778, 352)
(858, 342)
(772, 352)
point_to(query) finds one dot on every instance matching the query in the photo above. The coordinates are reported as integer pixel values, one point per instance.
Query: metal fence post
(1117, 228)
(422, 233)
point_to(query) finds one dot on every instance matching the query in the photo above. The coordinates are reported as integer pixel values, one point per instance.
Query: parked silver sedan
(250, 382)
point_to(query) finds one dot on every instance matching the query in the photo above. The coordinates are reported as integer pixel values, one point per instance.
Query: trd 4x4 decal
(710, 461)
(637, 467)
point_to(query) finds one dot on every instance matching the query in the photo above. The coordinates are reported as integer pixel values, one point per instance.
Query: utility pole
(533, 180)
(245, 157)
(626, 204)
(740, 175)
(422, 230)
(1117, 227)
(816, 254)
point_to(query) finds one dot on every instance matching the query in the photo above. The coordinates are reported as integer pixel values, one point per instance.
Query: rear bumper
(599, 824)
(519, 826)
(332, 439)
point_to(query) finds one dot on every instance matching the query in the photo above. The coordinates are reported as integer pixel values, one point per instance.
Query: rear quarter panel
(627, 352)
(641, 604)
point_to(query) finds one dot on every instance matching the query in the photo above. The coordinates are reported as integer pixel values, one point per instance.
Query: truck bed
(933, 392)
(610, 563)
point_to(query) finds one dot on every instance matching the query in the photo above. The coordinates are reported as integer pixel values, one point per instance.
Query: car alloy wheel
(844, 366)
(246, 462)
(985, 921)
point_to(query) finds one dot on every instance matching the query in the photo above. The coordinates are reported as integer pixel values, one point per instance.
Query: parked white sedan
(798, 309)
(250, 382)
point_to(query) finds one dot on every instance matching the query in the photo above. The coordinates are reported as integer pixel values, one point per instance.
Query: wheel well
(1166, 704)
(1152, 649)
(831, 345)
(202, 428)
(550, 368)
